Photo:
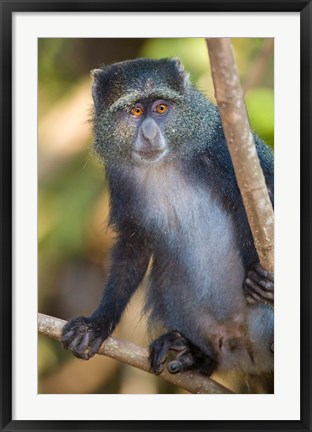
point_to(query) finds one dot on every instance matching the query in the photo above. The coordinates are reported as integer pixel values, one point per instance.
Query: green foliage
(66, 203)
(48, 358)
(192, 52)
(260, 106)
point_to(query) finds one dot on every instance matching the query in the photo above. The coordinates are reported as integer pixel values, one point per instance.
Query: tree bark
(249, 175)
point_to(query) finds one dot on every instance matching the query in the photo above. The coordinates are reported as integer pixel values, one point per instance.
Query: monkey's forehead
(131, 96)
(140, 79)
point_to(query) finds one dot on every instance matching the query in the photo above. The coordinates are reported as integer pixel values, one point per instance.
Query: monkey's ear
(181, 71)
(178, 62)
(100, 81)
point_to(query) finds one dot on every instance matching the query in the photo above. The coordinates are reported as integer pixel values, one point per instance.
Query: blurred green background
(73, 238)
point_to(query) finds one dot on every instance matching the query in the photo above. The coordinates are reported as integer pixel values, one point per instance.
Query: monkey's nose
(149, 129)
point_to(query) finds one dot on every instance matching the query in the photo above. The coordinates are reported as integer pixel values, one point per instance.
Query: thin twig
(249, 175)
(133, 355)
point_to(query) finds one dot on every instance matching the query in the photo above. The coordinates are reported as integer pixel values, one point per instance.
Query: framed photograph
(70, 71)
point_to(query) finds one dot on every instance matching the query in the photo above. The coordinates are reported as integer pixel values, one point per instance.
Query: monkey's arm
(84, 335)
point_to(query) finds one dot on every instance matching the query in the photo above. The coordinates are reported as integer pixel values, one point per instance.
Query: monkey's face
(149, 118)
(145, 112)
(136, 134)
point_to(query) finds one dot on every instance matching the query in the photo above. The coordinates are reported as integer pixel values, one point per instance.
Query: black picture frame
(7, 9)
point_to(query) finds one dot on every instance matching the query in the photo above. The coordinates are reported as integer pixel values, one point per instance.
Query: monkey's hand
(259, 285)
(188, 356)
(84, 336)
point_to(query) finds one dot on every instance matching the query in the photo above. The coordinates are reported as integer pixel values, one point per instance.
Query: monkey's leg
(84, 335)
(188, 357)
(259, 285)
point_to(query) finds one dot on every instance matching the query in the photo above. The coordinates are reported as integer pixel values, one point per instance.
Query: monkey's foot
(83, 336)
(259, 285)
(188, 356)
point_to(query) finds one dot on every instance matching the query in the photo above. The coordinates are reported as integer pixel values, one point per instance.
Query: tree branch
(133, 355)
(249, 175)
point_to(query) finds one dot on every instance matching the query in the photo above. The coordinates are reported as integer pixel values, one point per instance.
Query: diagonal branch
(133, 355)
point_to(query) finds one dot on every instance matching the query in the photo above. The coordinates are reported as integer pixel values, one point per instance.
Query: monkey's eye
(136, 111)
(161, 108)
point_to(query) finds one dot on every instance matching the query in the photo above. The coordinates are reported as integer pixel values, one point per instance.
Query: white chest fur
(189, 224)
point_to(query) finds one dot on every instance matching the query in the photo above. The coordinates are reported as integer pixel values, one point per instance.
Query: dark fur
(185, 211)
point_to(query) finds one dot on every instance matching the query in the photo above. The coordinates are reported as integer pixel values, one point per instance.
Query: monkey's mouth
(149, 155)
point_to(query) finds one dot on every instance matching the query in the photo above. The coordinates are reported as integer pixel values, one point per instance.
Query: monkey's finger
(156, 366)
(88, 348)
(250, 300)
(67, 338)
(266, 295)
(259, 269)
(96, 343)
(254, 287)
(74, 346)
(158, 355)
(75, 327)
(85, 349)
(160, 350)
(261, 280)
(84, 342)
(250, 293)
(161, 346)
(182, 363)
(77, 343)
(252, 297)
(175, 366)
(179, 345)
